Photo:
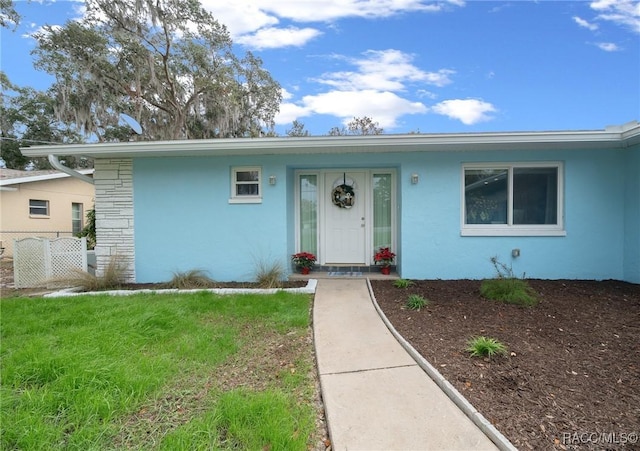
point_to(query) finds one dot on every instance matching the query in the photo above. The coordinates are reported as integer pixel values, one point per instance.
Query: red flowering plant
(384, 256)
(304, 259)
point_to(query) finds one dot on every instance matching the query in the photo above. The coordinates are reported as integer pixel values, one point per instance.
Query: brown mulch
(572, 376)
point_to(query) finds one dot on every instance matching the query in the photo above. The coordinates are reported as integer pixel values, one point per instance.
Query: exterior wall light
(415, 178)
(272, 180)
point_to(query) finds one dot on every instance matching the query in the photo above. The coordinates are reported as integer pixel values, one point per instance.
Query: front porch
(336, 272)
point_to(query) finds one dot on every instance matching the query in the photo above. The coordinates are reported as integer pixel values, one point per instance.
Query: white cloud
(608, 46)
(621, 12)
(330, 10)
(585, 24)
(468, 111)
(290, 112)
(286, 95)
(245, 19)
(372, 89)
(383, 107)
(268, 38)
(384, 70)
(240, 17)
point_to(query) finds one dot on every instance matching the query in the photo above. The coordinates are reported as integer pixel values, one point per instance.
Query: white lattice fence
(39, 262)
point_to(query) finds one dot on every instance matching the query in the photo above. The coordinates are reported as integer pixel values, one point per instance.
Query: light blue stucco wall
(432, 246)
(632, 215)
(183, 219)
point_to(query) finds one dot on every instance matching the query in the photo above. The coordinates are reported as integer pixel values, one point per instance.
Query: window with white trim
(512, 199)
(246, 185)
(38, 207)
(76, 218)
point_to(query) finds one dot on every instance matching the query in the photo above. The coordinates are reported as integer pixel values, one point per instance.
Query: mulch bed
(572, 377)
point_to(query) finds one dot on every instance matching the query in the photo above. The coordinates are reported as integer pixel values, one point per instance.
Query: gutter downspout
(53, 159)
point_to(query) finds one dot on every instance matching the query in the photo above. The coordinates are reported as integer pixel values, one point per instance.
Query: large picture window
(512, 199)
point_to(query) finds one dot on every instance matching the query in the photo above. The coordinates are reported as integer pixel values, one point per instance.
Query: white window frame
(510, 229)
(245, 199)
(79, 220)
(46, 209)
(324, 198)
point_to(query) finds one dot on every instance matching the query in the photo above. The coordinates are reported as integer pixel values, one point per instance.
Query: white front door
(344, 228)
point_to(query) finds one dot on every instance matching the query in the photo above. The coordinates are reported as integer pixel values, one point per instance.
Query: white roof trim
(41, 177)
(612, 137)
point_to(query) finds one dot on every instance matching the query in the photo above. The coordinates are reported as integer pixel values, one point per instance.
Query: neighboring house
(557, 204)
(42, 204)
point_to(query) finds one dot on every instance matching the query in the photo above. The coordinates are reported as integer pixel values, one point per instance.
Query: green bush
(89, 229)
(269, 274)
(506, 287)
(402, 283)
(509, 290)
(192, 279)
(111, 279)
(416, 302)
(485, 347)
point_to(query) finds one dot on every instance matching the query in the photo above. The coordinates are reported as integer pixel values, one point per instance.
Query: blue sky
(419, 65)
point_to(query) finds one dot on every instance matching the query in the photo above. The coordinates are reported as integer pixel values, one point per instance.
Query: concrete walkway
(376, 396)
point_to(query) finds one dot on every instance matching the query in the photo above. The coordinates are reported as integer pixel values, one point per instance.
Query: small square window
(38, 207)
(246, 185)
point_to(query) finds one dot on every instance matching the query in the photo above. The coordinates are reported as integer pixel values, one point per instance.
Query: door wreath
(343, 195)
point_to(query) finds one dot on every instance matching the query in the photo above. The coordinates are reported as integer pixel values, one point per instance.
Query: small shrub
(192, 279)
(89, 229)
(402, 283)
(269, 274)
(485, 347)
(416, 302)
(506, 287)
(511, 291)
(112, 279)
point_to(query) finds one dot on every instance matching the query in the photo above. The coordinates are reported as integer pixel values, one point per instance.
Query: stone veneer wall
(114, 215)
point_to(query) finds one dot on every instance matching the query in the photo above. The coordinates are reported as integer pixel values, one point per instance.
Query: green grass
(416, 302)
(510, 290)
(485, 347)
(153, 372)
(402, 283)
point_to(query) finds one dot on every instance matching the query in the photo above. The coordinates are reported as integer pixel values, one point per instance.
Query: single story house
(551, 204)
(46, 203)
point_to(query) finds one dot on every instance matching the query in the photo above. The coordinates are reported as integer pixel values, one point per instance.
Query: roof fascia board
(40, 178)
(615, 137)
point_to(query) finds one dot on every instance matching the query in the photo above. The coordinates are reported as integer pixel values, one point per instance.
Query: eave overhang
(41, 178)
(617, 137)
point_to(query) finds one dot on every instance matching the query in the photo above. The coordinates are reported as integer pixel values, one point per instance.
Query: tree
(297, 129)
(364, 126)
(27, 117)
(9, 17)
(358, 126)
(167, 63)
(89, 229)
(337, 131)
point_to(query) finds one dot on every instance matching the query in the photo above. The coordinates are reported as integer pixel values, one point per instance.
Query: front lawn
(149, 371)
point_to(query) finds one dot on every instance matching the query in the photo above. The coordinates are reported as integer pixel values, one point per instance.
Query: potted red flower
(384, 257)
(304, 261)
